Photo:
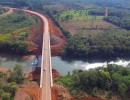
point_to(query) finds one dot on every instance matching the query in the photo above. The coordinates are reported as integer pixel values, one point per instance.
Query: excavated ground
(57, 39)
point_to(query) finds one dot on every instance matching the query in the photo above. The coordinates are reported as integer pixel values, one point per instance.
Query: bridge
(46, 81)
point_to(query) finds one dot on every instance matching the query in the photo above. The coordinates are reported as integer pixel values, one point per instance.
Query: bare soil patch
(57, 38)
(60, 93)
(4, 70)
(36, 36)
(29, 92)
(86, 26)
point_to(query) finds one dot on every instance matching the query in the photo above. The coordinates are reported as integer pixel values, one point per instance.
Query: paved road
(46, 71)
(6, 13)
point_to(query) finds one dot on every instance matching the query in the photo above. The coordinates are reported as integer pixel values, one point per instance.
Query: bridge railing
(50, 63)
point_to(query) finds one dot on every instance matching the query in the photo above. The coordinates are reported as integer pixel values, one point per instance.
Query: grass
(18, 33)
(14, 22)
(4, 36)
(74, 15)
(80, 22)
(16, 25)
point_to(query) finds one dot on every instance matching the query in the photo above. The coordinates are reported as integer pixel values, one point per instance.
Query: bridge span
(46, 81)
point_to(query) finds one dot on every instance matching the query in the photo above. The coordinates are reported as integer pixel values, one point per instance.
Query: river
(62, 66)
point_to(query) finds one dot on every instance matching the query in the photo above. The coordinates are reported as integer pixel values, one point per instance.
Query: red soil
(60, 93)
(4, 70)
(36, 37)
(55, 48)
(32, 90)
(55, 74)
(20, 95)
(35, 75)
(57, 38)
(89, 98)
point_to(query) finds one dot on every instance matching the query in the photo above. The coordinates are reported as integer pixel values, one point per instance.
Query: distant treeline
(120, 17)
(110, 44)
(31, 4)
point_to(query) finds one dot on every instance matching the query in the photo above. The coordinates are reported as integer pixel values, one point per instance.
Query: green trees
(6, 96)
(1, 92)
(9, 82)
(14, 29)
(18, 72)
(119, 17)
(11, 88)
(119, 21)
(122, 89)
(16, 75)
(110, 44)
(14, 47)
(113, 79)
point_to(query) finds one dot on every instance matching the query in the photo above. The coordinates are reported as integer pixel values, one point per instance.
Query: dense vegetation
(112, 43)
(13, 31)
(78, 15)
(106, 43)
(111, 80)
(15, 21)
(9, 82)
(119, 17)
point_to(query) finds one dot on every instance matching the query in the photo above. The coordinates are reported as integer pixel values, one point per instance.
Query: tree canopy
(114, 79)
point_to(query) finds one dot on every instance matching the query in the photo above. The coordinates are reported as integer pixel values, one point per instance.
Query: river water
(62, 66)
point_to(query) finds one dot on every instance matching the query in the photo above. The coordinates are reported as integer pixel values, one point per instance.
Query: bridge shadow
(36, 74)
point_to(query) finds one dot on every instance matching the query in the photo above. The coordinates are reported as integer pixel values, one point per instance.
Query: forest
(9, 82)
(105, 81)
(112, 43)
(119, 17)
(12, 36)
(110, 80)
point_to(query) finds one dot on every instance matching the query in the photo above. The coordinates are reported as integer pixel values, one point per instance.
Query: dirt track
(6, 13)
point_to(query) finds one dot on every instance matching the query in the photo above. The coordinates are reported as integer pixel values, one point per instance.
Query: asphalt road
(45, 83)
(46, 70)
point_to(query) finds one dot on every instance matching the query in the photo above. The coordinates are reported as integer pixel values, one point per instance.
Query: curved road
(46, 81)
(6, 13)
(46, 70)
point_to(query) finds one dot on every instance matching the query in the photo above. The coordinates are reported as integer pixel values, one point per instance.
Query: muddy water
(62, 66)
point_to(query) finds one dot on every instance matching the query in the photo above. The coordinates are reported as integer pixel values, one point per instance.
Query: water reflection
(63, 66)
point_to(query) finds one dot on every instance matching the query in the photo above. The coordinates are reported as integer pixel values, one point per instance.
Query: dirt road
(7, 13)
